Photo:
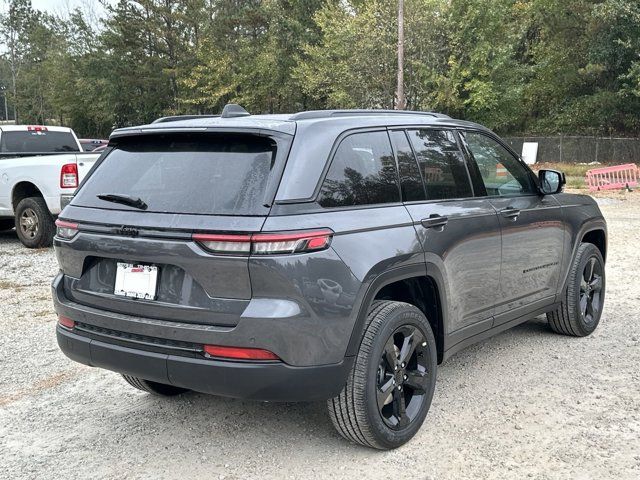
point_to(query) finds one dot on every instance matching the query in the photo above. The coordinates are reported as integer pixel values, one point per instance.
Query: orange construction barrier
(610, 178)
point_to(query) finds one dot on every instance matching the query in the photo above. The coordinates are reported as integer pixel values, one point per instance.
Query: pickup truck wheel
(579, 313)
(34, 223)
(390, 387)
(154, 387)
(7, 224)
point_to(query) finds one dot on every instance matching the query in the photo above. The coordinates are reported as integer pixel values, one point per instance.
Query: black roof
(287, 123)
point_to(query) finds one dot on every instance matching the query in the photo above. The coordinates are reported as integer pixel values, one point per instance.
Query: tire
(7, 224)
(34, 224)
(579, 313)
(362, 412)
(154, 387)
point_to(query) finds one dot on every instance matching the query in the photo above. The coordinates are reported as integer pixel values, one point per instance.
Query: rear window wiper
(123, 199)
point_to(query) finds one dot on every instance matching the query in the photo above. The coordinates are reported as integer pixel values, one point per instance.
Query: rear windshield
(198, 174)
(37, 142)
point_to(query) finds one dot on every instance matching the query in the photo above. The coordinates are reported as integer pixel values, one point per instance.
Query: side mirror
(551, 181)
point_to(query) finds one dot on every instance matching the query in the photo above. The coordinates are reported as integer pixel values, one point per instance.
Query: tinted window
(441, 164)
(207, 174)
(501, 172)
(363, 172)
(410, 179)
(37, 142)
(91, 145)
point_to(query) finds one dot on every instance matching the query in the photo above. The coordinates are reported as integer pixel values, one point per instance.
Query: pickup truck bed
(35, 187)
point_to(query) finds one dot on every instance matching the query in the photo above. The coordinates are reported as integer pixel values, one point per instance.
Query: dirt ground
(525, 404)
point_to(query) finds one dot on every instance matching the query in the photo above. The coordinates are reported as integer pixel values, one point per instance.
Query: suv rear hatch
(144, 202)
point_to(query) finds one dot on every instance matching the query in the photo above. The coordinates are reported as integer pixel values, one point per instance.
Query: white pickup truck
(40, 168)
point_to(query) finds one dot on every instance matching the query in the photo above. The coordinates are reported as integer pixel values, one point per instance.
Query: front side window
(363, 172)
(441, 163)
(501, 172)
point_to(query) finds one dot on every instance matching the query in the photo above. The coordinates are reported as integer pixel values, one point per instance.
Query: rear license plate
(136, 281)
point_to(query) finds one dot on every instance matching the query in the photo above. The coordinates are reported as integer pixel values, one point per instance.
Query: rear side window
(441, 163)
(186, 173)
(410, 178)
(363, 172)
(40, 141)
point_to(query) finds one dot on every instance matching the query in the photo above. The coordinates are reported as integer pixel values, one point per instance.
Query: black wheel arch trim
(391, 276)
(590, 226)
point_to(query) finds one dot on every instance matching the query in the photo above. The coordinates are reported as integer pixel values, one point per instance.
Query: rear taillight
(66, 230)
(239, 353)
(69, 176)
(295, 242)
(66, 322)
(266, 243)
(230, 244)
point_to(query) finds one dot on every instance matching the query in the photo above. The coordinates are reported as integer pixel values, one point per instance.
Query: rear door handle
(510, 213)
(434, 221)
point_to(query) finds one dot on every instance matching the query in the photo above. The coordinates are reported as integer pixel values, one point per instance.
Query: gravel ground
(524, 404)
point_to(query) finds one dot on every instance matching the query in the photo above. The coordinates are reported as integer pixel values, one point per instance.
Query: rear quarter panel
(330, 286)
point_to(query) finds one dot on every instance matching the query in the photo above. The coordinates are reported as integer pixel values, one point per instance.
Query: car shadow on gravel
(537, 326)
(278, 426)
(230, 423)
(9, 238)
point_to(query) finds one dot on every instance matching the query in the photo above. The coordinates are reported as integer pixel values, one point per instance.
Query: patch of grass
(575, 172)
(576, 182)
(569, 169)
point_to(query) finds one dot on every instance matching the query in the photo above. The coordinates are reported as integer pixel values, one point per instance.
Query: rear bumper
(276, 382)
(171, 353)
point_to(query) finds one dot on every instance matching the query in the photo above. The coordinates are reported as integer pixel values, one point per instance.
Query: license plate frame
(135, 280)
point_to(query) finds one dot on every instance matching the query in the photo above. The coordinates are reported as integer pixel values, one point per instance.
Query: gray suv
(323, 255)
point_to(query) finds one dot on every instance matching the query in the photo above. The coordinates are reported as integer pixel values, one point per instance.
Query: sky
(61, 7)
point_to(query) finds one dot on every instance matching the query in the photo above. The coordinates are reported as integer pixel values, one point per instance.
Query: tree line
(517, 66)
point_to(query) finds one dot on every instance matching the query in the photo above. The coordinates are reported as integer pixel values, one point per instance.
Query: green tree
(354, 64)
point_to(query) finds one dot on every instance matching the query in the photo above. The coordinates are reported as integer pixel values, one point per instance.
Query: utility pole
(400, 99)
(4, 97)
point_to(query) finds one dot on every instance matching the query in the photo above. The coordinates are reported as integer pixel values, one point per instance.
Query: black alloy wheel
(403, 377)
(581, 307)
(590, 291)
(390, 387)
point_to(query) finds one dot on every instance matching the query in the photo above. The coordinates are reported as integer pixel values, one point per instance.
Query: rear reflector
(66, 322)
(266, 243)
(66, 230)
(239, 353)
(69, 176)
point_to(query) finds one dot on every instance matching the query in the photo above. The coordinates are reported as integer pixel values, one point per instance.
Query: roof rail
(312, 114)
(175, 118)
